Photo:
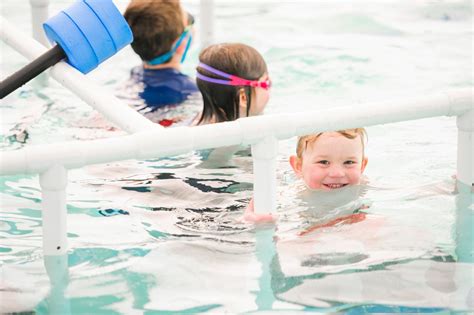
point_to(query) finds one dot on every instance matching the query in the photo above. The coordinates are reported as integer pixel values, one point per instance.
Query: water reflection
(379, 264)
(265, 252)
(419, 284)
(194, 274)
(58, 273)
(464, 235)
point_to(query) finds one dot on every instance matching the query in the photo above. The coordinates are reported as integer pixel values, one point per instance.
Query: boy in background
(162, 33)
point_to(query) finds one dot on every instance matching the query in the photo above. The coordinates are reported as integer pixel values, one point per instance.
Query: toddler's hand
(252, 217)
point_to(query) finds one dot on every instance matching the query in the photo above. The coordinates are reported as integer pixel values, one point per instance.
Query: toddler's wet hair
(303, 141)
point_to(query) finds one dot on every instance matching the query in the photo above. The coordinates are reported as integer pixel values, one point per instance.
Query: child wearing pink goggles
(234, 82)
(232, 79)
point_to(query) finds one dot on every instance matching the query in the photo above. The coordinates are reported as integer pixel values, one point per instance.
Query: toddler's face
(331, 162)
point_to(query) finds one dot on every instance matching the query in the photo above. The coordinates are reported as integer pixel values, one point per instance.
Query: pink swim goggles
(232, 79)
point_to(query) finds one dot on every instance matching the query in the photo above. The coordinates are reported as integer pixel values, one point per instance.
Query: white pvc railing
(39, 14)
(244, 131)
(52, 161)
(206, 22)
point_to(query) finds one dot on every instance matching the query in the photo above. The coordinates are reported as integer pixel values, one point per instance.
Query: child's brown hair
(155, 24)
(222, 102)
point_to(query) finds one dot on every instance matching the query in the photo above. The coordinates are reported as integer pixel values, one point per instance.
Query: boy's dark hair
(222, 101)
(155, 25)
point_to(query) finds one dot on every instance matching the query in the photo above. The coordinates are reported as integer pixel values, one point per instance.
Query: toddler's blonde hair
(303, 141)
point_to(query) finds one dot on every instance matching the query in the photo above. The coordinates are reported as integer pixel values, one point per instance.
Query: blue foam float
(87, 33)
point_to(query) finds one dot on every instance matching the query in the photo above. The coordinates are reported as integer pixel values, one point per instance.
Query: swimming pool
(173, 242)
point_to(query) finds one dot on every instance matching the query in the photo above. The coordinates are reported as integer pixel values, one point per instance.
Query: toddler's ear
(364, 164)
(295, 163)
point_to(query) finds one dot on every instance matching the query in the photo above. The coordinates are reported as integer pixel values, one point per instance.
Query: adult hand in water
(258, 218)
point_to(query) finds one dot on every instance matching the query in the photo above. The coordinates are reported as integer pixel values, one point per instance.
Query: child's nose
(336, 171)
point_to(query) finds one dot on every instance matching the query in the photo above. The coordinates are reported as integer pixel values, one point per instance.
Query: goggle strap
(215, 71)
(161, 59)
(187, 47)
(239, 81)
(233, 80)
(213, 80)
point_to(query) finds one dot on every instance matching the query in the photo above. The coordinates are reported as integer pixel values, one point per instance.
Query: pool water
(165, 236)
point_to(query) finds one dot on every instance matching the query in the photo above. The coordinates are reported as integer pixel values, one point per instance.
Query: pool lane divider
(86, 34)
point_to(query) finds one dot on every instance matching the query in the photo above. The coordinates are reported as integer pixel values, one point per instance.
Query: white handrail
(116, 111)
(173, 141)
(39, 14)
(206, 22)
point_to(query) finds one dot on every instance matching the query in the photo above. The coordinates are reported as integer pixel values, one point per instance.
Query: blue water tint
(6, 188)
(94, 256)
(85, 305)
(157, 234)
(101, 256)
(14, 230)
(93, 212)
(370, 309)
(194, 310)
(139, 252)
(464, 232)
(32, 213)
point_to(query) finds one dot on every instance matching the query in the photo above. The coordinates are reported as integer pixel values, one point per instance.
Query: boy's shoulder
(167, 78)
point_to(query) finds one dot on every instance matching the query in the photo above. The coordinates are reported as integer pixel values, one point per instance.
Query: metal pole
(53, 184)
(31, 70)
(207, 22)
(264, 155)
